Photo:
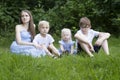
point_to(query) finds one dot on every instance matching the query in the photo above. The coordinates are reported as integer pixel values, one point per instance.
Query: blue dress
(67, 46)
(25, 49)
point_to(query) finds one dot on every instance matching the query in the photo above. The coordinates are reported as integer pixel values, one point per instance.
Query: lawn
(71, 67)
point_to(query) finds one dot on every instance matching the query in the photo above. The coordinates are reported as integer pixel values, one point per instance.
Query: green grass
(72, 67)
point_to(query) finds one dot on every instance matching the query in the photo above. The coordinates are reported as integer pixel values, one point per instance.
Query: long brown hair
(31, 27)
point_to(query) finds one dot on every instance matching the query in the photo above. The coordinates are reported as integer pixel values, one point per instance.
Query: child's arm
(102, 36)
(46, 50)
(81, 38)
(37, 45)
(72, 49)
(62, 48)
(36, 42)
(54, 49)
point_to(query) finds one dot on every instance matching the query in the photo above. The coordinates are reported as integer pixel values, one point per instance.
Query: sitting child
(66, 43)
(85, 37)
(45, 40)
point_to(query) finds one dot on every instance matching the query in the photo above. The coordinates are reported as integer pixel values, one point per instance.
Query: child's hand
(37, 46)
(91, 47)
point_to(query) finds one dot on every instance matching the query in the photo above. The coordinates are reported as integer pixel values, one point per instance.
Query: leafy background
(104, 14)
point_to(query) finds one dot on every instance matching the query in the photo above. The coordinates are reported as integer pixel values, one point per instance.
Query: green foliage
(104, 14)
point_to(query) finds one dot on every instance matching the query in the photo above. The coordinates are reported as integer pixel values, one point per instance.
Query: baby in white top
(45, 40)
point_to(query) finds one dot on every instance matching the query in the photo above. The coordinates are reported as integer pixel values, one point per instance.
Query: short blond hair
(41, 23)
(66, 30)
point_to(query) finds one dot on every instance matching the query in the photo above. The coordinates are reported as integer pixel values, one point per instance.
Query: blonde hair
(41, 23)
(66, 30)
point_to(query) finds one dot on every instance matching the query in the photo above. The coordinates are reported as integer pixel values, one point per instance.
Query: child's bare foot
(91, 55)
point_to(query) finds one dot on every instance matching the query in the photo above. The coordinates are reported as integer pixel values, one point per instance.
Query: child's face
(25, 17)
(85, 29)
(66, 36)
(44, 29)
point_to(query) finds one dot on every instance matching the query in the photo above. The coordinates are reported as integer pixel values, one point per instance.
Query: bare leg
(47, 51)
(102, 40)
(86, 49)
(105, 47)
(54, 50)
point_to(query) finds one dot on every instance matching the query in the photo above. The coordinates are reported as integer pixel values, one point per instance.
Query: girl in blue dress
(25, 33)
(66, 43)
